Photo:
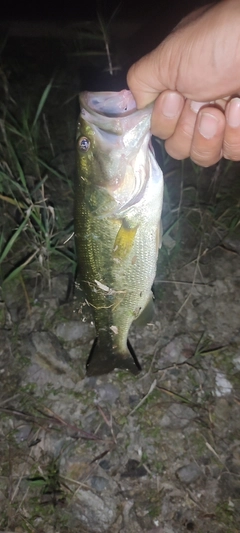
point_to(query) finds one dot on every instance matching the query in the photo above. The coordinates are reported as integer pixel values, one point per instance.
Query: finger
(143, 80)
(179, 144)
(231, 143)
(206, 147)
(166, 112)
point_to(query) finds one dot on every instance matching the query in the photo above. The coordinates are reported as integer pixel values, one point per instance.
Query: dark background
(82, 10)
(36, 31)
(158, 18)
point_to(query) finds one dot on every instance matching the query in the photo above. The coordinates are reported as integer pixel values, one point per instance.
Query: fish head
(113, 140)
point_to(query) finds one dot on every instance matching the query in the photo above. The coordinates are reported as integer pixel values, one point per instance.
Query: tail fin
(102, 360)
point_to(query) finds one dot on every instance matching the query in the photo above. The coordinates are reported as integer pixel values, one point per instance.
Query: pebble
(223, 385)
(189, 474)
(178, 416)
(99, 483)
(73, 330)
(177, 351)
(108, 393)
(92, 511)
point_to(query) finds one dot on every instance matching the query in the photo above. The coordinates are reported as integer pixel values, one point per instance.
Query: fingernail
(208, 125)
(233, 113)
(195, 106)
(172, 105)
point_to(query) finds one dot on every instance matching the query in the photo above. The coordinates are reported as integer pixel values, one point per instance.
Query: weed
(32, 229)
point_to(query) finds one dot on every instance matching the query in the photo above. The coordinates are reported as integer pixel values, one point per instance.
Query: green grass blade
(19, 167)
(16, 271)
(12, 201)
(42, 102)
(67, 254)
(51, 169)
(12, 240)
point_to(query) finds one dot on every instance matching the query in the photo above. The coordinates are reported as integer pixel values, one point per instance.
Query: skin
(193, 78)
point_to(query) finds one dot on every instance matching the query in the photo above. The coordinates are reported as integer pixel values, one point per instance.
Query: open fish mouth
(109, 104)
(117, 115)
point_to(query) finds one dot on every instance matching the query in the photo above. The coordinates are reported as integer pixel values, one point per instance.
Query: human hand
(193, 77)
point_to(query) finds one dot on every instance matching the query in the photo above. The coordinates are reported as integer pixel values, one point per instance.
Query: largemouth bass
(118, 203)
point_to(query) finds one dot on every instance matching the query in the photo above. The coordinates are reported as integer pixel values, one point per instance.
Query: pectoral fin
(146, 314)
(159, 236)
(124, 241)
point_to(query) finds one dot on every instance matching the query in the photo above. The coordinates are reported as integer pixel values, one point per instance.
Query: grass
(33, 229)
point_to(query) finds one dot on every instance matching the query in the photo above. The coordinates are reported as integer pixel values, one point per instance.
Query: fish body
(118, 203)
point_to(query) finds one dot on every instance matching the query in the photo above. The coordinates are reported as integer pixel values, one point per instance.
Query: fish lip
(116, 123)
(115, 127)
(109, 103)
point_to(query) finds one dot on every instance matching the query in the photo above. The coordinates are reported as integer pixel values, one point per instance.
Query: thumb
(157, 71)
(144, 79)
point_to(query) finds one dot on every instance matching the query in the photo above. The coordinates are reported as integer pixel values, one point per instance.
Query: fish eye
(84, 144)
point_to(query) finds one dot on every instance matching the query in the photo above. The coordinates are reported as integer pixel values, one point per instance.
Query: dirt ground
(157, 453)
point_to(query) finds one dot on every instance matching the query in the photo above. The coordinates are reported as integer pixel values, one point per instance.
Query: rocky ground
(157, 453)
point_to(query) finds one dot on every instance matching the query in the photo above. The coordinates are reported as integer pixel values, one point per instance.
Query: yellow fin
(124, 241)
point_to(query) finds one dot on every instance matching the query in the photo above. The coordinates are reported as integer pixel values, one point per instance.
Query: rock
(223, 385)
(49, 361)
(105, 464)
(59, 287)
(178, 416)
(107, 392)
(92, 511)
(47, 344)
(74, 330)
(177, 351)
(232, 241)
(229, 483)
(236, 361)
(189, 474)
(134, 469)
(99, 483)
(22, 432)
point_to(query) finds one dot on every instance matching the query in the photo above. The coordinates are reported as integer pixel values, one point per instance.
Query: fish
(118, 205)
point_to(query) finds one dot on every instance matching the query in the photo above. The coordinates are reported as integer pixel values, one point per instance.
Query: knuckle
(231, 150)
(176, 149)
(162, 133)
(205, 158)
(186, 129)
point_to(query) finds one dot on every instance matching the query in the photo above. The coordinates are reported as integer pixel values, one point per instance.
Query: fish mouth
(114, 112)
(109, 104)
(121, 134)
(114, 115)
